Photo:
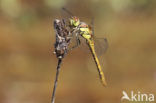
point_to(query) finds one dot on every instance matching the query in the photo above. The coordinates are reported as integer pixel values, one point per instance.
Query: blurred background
(28, 65)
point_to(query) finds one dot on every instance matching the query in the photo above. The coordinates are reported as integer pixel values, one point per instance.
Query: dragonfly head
(74, 21)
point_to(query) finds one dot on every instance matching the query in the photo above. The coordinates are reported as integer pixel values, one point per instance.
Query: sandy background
(28, 66)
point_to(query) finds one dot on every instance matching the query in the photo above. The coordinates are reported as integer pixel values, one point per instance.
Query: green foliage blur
(28, 65)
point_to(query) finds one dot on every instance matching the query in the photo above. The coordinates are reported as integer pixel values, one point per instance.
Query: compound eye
(76, 19)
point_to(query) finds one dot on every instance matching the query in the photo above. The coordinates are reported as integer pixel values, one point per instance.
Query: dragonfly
(79, 28)
(64, 33)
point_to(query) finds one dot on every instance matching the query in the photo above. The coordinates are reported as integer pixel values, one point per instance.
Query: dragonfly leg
(78, 42)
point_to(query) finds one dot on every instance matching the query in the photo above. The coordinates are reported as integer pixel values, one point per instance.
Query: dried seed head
(62, 40)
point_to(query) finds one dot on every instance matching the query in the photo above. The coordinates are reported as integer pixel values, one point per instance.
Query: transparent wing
(73, 42)
(65, 15)
(101, 45)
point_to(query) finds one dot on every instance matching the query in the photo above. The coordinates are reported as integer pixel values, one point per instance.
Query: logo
(140, 97)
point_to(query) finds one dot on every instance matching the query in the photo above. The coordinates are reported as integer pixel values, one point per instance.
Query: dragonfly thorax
(85, 31)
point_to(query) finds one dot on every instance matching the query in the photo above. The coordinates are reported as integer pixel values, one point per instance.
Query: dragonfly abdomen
(101, 74)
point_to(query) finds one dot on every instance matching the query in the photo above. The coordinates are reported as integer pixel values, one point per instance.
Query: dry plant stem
(56, 79)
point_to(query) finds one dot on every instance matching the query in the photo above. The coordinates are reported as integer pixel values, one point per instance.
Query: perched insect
(84, 30)
(65, 32)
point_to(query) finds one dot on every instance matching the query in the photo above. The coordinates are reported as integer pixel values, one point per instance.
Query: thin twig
(56, 80)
